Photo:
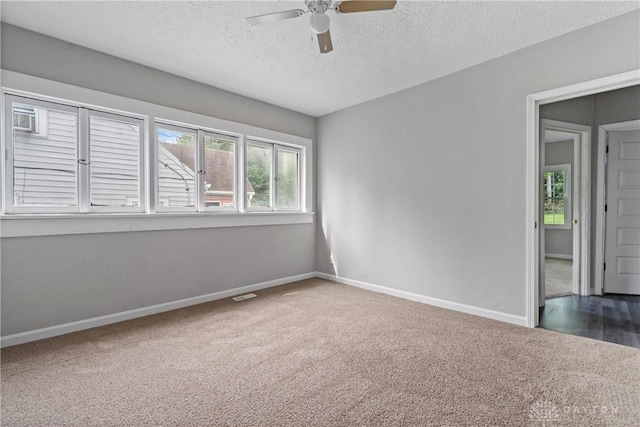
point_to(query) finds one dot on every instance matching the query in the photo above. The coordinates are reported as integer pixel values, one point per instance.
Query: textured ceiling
(375, 53)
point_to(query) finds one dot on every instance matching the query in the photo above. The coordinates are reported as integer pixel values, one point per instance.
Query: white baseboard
(469, 309)
(561, 256)
(66, 328)
(52, 331)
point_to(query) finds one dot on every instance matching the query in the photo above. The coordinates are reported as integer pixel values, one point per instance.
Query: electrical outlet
(244, 297)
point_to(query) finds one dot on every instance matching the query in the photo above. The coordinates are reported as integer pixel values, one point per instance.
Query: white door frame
(581, 200)
(532, 237)
(603, 131)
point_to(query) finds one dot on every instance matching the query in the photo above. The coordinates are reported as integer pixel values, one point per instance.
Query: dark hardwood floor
(611, 317)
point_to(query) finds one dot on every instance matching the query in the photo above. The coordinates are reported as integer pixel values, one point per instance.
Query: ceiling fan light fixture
(319, 22)
(319, 19)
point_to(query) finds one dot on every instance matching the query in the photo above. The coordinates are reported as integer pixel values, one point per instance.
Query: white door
(622, 218)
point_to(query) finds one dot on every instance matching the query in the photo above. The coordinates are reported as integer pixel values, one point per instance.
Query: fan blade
(277, 16)
(364, 6)
(324, 40)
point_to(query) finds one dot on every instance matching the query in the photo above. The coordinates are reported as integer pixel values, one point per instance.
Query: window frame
(264, 144)
(10, 207)
(142, 202)
(568, 195)
(275, 147)
(200, 133)
(156, 147)
(83, 160)
(298, 152)
(47, 222)
(235, 140)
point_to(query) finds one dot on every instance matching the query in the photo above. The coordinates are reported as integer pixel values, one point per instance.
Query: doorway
(534, 212)
(605, 257)
(614, 313)
(564, 200)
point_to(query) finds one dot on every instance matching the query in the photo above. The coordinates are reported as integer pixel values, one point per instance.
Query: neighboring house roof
(218, 164)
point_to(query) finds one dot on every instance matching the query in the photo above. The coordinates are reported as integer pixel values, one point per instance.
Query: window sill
(557, 227)
(52, 225)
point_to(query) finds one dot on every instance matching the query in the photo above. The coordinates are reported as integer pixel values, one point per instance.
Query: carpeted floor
(558, 277)
(319, 353)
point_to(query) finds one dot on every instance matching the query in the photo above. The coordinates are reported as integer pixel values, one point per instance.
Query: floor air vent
(244, 297)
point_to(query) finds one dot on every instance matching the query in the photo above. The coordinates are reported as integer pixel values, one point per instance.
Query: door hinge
(605, 267)
(607, 150)
(605, 208)
(535, 224)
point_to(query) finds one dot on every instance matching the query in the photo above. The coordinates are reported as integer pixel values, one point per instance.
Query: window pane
(115, 162)
(259, 176)
(219, 179)
(554, 197)
(44, 157)
(176, 168)
(554, 212)
(287, 180)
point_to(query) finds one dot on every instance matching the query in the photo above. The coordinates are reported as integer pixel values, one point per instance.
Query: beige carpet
(558, 277)
(319, 353)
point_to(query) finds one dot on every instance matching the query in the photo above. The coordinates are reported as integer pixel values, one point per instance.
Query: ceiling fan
(319, 18)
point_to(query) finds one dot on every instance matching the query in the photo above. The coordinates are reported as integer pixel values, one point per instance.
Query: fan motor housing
(318, 6)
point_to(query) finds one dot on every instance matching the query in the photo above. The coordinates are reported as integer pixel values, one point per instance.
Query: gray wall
(616, 106)
(558, 241)
(424, 190)
(56, 279)
(594, 110)
(32, 53)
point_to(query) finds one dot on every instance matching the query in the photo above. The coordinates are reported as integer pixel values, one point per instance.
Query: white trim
(83, 150)
(66, 328)
(581, 189)
(532, 226)
(603, 130)
(532, 235)
(589, 87)
(559, 256)
(42, 225)
(580, 285)
(450, 305)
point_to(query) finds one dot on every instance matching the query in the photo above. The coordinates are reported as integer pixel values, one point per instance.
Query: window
(29, 119)
(273, 175)
(219, 165)
(196, 170)
(56, 168)
(65, 157)
(557, 196)
(177, 168)
(287, 179)
(259, 177)
(115, 156)
(45, 169)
